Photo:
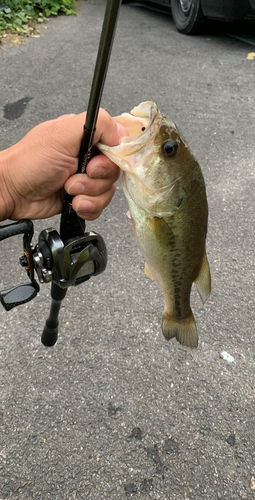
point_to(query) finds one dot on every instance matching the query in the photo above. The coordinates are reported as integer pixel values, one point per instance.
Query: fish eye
(143, 129)
(169, 148)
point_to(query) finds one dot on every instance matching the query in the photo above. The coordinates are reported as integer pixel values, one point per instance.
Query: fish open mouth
(139, 123)
(142, 124)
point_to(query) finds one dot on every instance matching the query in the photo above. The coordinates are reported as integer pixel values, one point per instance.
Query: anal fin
(203, 281)
(147, 272)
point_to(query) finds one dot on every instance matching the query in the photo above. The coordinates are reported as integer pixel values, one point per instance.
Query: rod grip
(50, 331)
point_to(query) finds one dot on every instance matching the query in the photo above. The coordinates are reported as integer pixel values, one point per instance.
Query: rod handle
(50, 333)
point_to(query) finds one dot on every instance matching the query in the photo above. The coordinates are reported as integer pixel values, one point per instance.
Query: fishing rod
(72, 256)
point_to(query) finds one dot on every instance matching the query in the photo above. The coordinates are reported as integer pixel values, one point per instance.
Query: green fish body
(166, 194)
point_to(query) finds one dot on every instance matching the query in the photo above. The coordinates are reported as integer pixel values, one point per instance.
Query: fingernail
(121, 130)
(76, 188)
(97, 172)
(84, 206)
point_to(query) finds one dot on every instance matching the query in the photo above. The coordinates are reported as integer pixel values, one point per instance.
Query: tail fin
(184, 330)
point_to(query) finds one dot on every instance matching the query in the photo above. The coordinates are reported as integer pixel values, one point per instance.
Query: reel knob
(18, 295)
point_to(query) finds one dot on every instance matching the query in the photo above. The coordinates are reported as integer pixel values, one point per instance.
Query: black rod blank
(71, 224)
(102, 63)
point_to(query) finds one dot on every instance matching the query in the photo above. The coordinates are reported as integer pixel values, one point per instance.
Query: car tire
(187, 15)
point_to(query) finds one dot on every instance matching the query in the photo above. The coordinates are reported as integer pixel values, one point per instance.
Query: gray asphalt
(114, 411)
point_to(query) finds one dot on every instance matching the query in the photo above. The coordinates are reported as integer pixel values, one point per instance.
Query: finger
(93, 186)
(107, 130)
(66, 132)
(90, 208)
(101, 166)
(89, 187)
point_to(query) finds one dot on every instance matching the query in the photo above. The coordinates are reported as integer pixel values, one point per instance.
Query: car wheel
(187, 15)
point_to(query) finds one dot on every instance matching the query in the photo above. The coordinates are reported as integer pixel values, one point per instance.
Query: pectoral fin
(203, 281)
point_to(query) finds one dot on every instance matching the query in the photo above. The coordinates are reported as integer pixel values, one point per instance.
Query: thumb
(65, 133)
(107, 130)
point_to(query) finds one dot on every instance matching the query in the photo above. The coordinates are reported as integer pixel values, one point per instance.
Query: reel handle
(17, 295)
(22, 293)
(23, 226)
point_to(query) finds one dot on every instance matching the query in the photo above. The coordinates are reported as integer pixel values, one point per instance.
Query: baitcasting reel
(66, 263)
(57, 259)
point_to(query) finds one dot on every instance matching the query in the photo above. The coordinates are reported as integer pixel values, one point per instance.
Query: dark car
(189, 15)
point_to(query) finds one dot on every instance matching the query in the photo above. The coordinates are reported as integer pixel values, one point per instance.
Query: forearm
(6, 203)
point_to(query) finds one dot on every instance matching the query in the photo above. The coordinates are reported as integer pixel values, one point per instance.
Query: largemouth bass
(166, 194)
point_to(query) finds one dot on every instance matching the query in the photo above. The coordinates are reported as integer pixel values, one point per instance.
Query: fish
(166, 195)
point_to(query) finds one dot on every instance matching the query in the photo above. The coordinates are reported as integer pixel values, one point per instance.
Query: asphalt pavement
(114, 411)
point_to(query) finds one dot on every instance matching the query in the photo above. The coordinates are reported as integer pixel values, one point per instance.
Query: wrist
(6, 201)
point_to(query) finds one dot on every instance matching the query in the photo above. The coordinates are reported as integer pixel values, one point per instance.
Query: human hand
(35, 171)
